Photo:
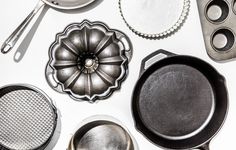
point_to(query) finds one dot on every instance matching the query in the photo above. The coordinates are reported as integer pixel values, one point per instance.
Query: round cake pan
(88, 61)
(154, 19)
(102, 132)
(29, 120)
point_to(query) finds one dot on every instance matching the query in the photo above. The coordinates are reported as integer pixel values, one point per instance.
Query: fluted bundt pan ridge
(88, 61)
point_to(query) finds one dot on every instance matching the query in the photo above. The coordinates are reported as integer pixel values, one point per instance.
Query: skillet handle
(13, 38)
(153, 58)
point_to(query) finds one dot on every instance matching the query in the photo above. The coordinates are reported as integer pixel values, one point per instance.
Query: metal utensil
(179, 102)
(88, 61)
(29, 120)
(58, 4)
(102, 134)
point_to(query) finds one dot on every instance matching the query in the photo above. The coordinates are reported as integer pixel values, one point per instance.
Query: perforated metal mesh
(27, 119)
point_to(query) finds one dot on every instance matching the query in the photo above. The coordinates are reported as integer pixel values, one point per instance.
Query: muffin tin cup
(217, 11)
(223, 39)
(218, 26)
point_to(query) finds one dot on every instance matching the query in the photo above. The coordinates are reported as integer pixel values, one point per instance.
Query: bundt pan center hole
(88, 63)
(217, 11)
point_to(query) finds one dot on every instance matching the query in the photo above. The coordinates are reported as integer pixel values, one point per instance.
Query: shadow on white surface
(23, 47)
(21, 50)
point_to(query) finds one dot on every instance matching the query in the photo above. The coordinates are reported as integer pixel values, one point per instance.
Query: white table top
(31, 69)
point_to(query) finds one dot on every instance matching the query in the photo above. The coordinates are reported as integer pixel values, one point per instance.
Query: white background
(31, 69)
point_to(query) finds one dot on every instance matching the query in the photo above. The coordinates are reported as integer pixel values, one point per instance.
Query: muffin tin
(218, 25)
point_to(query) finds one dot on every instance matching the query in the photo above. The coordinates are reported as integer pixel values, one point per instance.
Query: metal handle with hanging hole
(153, 58)
(13, 38)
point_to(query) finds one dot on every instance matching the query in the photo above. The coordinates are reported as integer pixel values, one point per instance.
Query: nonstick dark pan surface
(179, 102)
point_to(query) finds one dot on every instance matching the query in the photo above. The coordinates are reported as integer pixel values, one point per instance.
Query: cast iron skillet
(179, 102)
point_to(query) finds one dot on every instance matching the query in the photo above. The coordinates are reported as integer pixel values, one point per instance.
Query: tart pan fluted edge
(88, 61)
(138, 24)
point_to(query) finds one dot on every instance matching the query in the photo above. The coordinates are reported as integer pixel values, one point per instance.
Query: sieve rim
(48, 100)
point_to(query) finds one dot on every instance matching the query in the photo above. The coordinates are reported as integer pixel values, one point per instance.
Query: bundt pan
(88, 61)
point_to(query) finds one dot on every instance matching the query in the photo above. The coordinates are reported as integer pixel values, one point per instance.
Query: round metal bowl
(88, 61)
(102, 134)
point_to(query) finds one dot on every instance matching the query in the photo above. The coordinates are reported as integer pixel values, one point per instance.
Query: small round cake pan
(88, 61)
(102, 133)
(29, 120)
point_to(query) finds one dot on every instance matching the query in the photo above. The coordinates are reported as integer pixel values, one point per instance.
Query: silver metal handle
(125, 41)
(13, 38)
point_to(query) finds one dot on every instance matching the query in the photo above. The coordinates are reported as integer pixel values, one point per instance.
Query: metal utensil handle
(13, 38)
(128, 47)
(153, 58)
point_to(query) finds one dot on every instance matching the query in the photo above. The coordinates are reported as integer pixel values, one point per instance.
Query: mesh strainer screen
(27, 118)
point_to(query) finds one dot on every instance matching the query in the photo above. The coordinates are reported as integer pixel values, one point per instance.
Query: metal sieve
(28, 118)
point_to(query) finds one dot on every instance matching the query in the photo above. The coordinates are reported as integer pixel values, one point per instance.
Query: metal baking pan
(154, 19)
(88, 61)
(102, 133)
(218, 26)
(179, 102)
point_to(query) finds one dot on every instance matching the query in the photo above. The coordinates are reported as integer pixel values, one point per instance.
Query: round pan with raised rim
(88, 60)
(179, 102)
(29, 119)
(154, 19)
(102, 133)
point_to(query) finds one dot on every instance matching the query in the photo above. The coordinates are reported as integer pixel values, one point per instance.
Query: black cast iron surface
(180, 102)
